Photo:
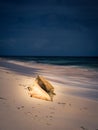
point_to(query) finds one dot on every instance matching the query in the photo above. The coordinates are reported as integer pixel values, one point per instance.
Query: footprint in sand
(22, 85)
(2, 98)
(4, 102)
(28, 113)
(52, 112)
(36, 116)
(8, 72)
(84, 108)
(48, 124)
(52, 108)
(62, 103)
(20, 107)
(47, 116)
(83, 128)
(50, 116)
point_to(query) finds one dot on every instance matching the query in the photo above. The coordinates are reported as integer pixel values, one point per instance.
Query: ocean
(74, 73)
(91, 62)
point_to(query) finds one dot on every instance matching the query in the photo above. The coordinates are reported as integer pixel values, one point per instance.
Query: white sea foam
(74, 78)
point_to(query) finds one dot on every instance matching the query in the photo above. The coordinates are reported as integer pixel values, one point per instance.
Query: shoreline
(19, 111)
(71, 78)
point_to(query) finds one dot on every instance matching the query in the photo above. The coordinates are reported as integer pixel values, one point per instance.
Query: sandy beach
(18, 111)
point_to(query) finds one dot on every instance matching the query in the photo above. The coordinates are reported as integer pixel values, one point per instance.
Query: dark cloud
(52, 27)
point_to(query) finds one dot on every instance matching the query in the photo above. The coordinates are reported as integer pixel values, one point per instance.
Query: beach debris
(41, 89)
(44, 84)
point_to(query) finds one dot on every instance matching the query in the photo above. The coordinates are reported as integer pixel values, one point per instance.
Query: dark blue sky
(49, 27)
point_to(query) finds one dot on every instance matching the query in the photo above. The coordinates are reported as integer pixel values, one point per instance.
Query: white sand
(18, 111)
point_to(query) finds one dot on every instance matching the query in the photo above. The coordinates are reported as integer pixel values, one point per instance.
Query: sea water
(78, 73)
